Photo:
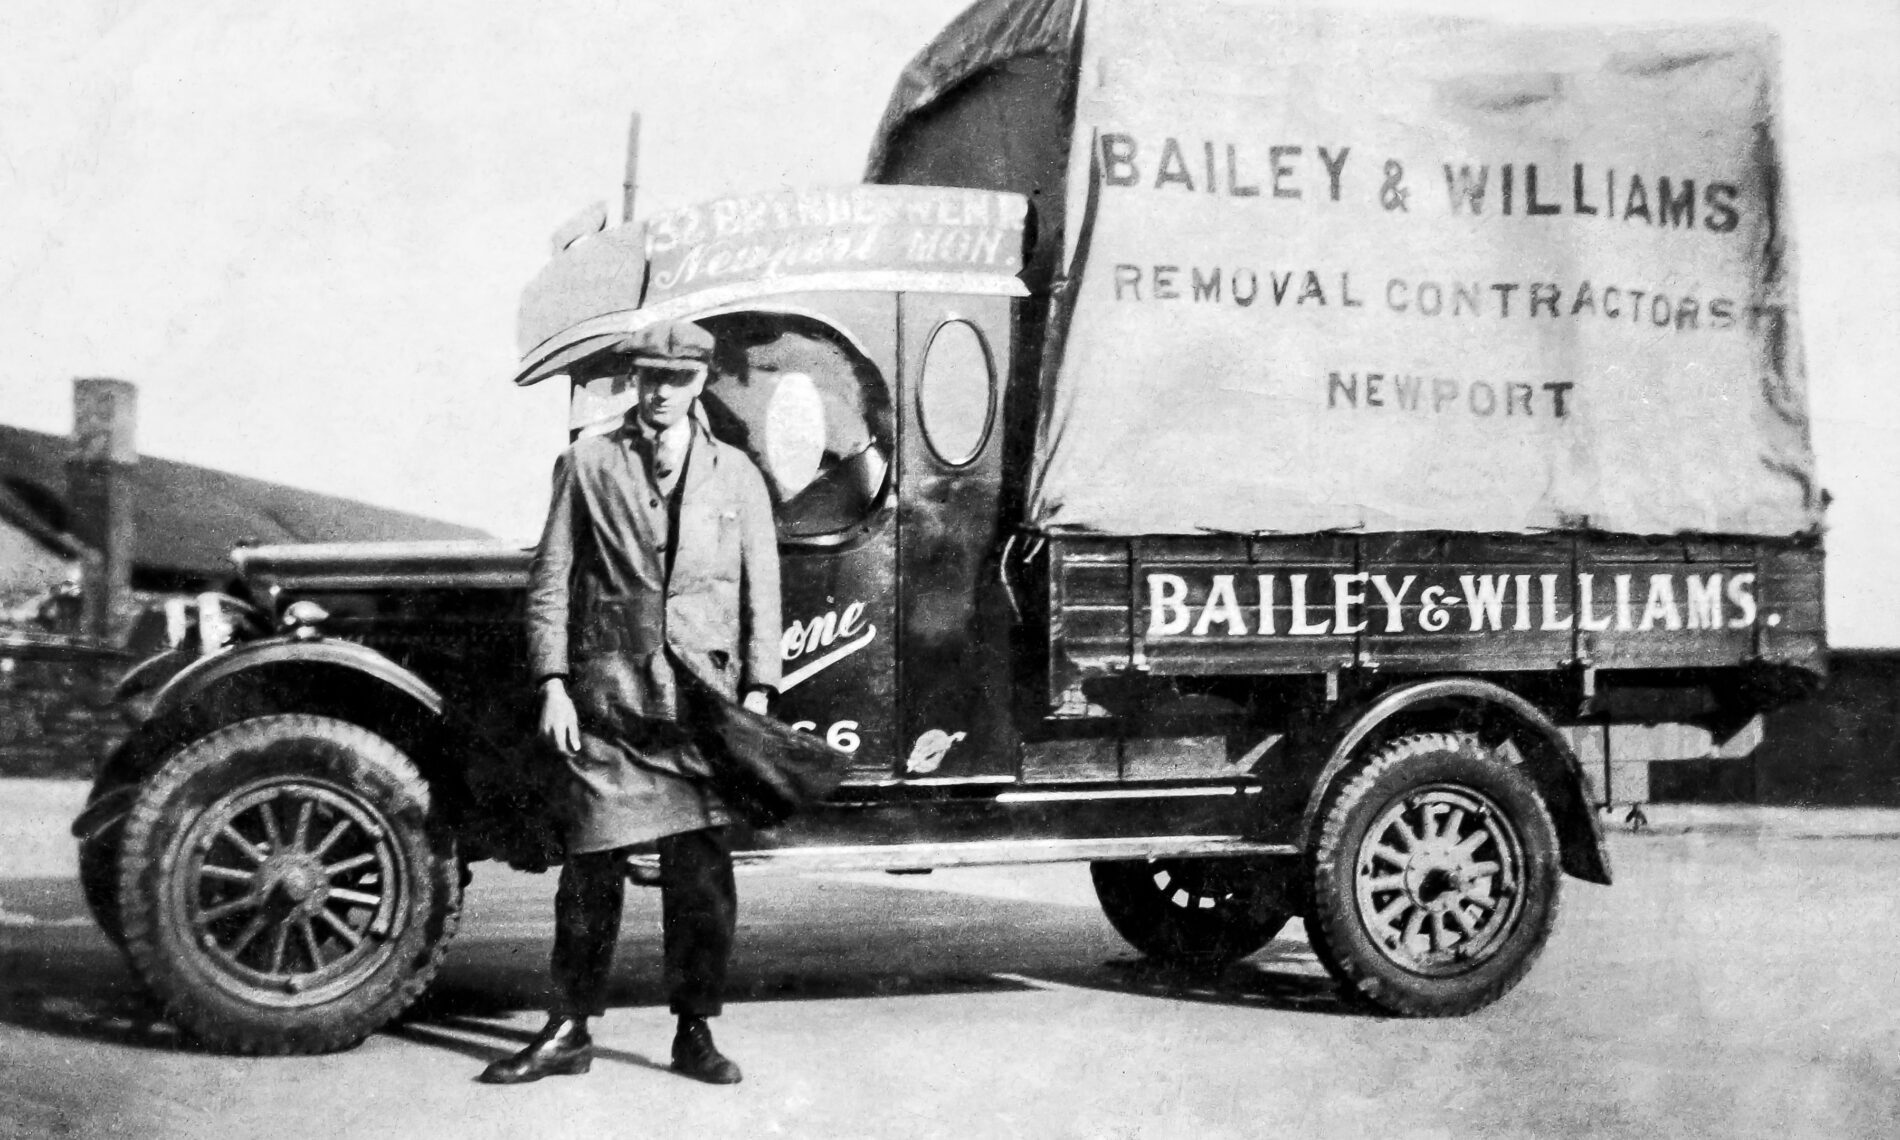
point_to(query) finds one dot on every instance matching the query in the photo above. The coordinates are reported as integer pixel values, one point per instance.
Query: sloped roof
(18, 511)
(190, 518)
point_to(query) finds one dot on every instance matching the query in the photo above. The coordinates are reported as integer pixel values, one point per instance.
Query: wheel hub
(298, 878)
(1433, 887)
(1436, 876)
(294, 889)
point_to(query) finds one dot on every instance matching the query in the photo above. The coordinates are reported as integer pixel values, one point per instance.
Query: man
(659, 556)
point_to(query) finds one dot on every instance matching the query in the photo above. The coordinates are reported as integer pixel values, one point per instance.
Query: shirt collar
(636, 427)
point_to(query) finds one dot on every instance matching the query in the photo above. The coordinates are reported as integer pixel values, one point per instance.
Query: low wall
(56, 713)
(1842, 748)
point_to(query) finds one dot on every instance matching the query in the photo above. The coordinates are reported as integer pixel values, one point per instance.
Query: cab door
(953, 675)
(806, 388)
(804, 385)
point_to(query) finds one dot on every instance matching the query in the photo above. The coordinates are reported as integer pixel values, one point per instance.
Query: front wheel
(1197, 913)
(283, 887)
(1435, 877)
(99, 867)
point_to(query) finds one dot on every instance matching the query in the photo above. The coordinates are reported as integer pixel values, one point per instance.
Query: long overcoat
(623, 591)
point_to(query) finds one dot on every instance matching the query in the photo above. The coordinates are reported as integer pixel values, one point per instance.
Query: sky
(302, 229)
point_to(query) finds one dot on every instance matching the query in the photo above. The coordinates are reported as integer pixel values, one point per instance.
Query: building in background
(104, 556)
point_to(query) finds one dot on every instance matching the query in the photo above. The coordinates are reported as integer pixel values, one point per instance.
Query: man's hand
(757, 701)
(560, 725)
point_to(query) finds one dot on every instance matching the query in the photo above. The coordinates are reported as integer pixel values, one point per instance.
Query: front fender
(153, 673)
(1551, 761)
(179, 692)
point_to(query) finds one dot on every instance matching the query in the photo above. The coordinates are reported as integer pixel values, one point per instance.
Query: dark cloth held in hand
(764, 770)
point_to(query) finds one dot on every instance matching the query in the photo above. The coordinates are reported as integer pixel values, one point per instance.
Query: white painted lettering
(1167, 605)
(1661, 604)
(1492, 602)
(1221, 607)
(848, 624)
(821, 632)
(1551, 620)
(1484, 595)
(1623, 609)
(1394, 614)
(1705, 601)
(1586, 602)
(1344, 598)
(1741, 592)
(1299, 626)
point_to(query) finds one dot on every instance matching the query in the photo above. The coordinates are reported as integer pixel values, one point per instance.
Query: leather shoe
(562, 1048)
(695, 1055)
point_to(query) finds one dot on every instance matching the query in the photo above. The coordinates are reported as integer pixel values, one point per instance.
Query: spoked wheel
(1199, 913)
(282, 886)
(287, 882)
(1440, 878)
(1435, 878)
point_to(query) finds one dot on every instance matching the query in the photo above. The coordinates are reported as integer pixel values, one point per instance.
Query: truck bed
(1428, 602)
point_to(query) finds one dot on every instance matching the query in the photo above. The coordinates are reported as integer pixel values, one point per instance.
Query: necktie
(664, 460)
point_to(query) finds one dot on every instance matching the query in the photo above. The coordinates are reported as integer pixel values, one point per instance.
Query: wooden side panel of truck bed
(1437, 603)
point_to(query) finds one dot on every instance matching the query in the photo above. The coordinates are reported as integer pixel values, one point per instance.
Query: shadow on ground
(59, 974)
(799, 940)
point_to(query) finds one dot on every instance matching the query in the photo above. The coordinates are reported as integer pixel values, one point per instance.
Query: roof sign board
(718, 253)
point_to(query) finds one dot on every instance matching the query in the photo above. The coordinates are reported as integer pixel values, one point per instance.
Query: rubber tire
(1250, 911)
(232, 758)
(1338, 936)
(99, 867)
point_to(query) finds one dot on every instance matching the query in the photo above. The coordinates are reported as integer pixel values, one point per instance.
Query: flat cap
(668, 342)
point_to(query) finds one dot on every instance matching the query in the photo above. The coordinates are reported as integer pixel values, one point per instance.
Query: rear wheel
(1435, 879)
(1199, 913)
(283, 887)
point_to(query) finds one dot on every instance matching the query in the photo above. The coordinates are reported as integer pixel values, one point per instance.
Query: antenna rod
(632, 182)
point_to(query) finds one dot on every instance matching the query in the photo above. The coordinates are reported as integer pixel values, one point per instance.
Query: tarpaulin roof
(1335, 270)
(988, 33)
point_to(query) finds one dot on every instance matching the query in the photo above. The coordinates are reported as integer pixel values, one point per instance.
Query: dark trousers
(699, 907)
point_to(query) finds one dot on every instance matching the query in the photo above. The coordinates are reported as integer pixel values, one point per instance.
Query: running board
(985, 853)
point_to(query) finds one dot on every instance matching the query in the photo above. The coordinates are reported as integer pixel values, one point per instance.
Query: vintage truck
(1239, 470)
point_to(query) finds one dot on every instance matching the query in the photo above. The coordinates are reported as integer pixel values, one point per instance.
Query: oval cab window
(957, 395)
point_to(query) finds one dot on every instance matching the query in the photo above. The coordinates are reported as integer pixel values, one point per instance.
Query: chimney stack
(101, 493)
